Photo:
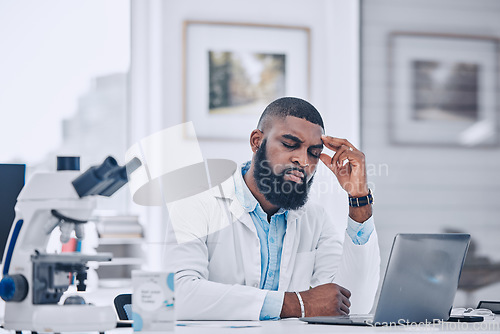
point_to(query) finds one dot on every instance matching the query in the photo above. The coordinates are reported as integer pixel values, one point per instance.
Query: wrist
(360, 191)
(360, 214)
(359, 201)
(291, 306)
(301, 303)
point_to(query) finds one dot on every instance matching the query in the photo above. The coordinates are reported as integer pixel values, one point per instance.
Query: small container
(153, 301)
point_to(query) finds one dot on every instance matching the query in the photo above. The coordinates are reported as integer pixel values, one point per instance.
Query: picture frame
(443, 89)
(232, 71)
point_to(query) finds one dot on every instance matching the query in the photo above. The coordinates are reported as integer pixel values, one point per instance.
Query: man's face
(286, 161)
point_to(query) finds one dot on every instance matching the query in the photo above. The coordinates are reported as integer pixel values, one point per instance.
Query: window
(63, 87)
(64, 76)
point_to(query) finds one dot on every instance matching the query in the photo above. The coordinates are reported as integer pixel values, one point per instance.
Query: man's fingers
(346, 301)
(343, 156)
(326, 159)
(334, 143)
(337, 160)
(340, 152)
(344, 308)
(344, 291)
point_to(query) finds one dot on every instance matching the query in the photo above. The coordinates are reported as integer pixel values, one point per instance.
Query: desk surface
(294, 326)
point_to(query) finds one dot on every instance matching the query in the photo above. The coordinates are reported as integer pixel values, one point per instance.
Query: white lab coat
(215, 254)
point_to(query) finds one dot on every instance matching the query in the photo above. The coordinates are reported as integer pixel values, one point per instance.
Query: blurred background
(414, 84)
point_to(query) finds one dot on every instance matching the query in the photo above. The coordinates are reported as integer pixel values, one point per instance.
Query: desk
(294, 326)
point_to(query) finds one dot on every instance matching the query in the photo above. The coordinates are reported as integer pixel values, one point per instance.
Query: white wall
(428, 189)
(156, 75)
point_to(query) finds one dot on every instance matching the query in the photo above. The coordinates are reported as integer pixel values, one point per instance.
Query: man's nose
(300, 159)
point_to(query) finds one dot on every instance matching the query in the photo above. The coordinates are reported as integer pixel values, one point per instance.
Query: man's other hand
(324, 300)
(348, 165)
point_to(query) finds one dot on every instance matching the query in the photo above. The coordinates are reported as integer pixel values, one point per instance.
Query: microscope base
(63, 318)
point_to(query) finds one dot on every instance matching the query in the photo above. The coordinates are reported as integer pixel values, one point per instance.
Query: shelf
(115, 283)
(126, 243)
(121, 261)
(120, 241)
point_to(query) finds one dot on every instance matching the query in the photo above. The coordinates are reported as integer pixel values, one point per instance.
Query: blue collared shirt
(271, 234)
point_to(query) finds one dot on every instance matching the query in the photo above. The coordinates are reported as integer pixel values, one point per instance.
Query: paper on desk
(220, 324)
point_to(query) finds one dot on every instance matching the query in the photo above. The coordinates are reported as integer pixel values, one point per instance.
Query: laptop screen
(421, 277)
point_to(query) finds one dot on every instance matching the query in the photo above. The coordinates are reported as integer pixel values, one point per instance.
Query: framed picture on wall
(443, 89)
(233, 71)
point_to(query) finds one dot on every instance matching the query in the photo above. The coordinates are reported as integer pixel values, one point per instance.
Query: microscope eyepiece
(68, 163)
(104, 179)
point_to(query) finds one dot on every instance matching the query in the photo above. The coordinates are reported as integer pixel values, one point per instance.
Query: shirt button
(272, 240)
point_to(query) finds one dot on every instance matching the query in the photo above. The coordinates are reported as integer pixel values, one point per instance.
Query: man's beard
(285, 194)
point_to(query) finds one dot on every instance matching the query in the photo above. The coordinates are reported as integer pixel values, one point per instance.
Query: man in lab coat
(255, 249)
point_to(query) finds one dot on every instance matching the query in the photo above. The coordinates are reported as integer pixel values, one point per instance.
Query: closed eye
(288, 145)
(315, 154)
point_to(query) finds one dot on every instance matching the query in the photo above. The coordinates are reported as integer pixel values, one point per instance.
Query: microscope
(33, 280)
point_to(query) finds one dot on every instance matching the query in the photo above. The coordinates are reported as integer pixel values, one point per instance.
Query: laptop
(420, 281)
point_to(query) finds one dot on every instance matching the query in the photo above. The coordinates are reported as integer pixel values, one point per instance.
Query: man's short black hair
(289, 106)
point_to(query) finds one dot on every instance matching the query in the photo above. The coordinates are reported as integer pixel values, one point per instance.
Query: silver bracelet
(302, 310)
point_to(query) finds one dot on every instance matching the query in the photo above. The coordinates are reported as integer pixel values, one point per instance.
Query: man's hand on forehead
(348, 165)
(341, 147)
(335, 143)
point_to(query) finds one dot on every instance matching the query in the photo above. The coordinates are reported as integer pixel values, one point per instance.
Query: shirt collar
(243, 194)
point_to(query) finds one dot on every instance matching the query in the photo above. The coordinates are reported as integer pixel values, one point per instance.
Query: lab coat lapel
(247, 244)
(227, 194)
(240, 215)
(246, 240)
(290, 246)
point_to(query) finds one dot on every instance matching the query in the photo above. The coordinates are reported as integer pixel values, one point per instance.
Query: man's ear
(256, 138)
